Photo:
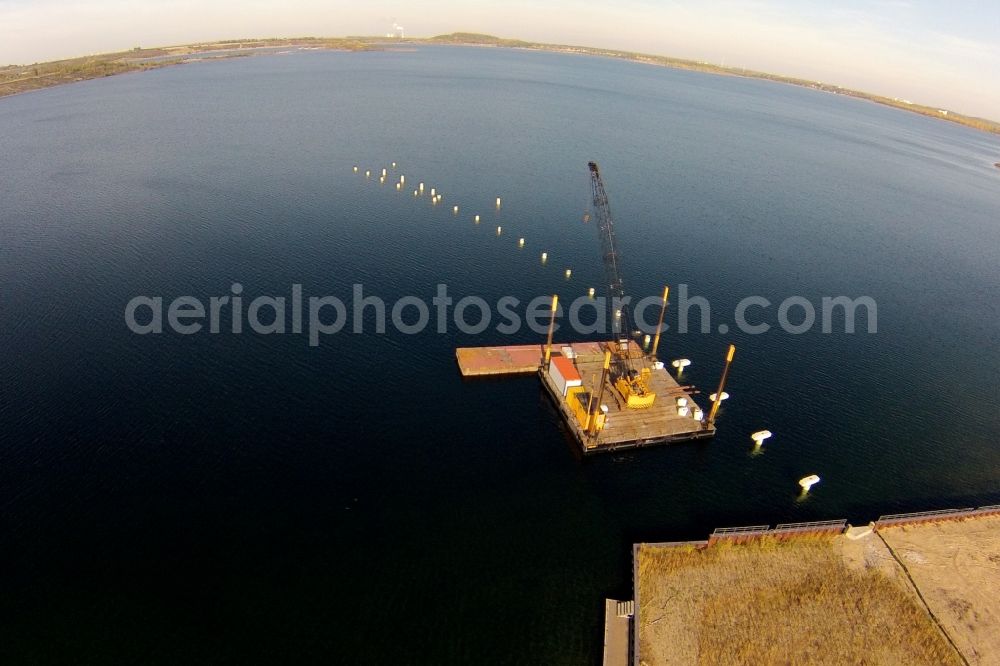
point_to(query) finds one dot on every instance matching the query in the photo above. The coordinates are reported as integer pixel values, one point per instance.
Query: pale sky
(939, 53)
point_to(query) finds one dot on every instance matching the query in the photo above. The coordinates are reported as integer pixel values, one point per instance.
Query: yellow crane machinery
(631, 379)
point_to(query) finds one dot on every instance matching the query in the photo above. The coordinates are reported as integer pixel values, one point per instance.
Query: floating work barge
(665, 421)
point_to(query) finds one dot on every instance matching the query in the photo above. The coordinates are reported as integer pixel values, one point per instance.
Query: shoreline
(20, 79)
(974, 122)
(61, 72)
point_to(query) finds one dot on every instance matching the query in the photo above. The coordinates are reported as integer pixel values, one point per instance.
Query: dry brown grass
(778, 602)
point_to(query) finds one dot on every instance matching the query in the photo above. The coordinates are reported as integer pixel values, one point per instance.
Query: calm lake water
(218, 498)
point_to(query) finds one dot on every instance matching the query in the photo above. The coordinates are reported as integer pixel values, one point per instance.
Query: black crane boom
(621, 325)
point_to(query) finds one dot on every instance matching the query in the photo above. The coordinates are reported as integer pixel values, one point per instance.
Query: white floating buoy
(415, 193)
(724, 396)
(421, 186)
(393, 165)
(383, 173)
(499, 229)
(590, 292)
(476, 218)
(432, 192)
(368, 173)
(355, 169)
(381, 179)
(680, 364)
(808, 482)
(759, 436)
(569, 272)
(520, 242)
(454, 209)
(498, 202)
(399, 186)
(402, 179)
(545, 256)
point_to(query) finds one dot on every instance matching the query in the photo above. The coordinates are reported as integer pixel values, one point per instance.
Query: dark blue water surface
(221, 498)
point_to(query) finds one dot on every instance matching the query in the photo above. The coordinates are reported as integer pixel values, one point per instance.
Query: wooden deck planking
(658, 421)
(625, 428)
(630, 428)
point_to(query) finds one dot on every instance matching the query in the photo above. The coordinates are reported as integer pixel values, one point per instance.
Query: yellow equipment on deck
(636, 391)
(632, 384)
(581, 402)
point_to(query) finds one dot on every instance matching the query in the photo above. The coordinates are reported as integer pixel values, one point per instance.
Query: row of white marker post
(436, 198)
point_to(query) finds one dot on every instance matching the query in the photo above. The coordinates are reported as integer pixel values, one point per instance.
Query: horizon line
(506, 42)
